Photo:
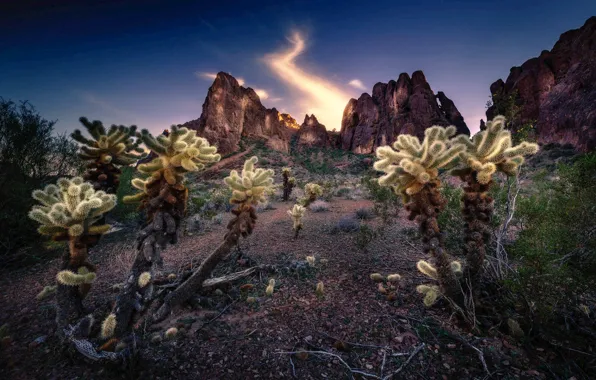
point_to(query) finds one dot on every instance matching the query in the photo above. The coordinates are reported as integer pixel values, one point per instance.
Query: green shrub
(451, 221)
(557, 243)
(125, 212)
(385, 201)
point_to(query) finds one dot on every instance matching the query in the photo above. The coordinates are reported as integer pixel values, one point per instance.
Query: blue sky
(150, 63)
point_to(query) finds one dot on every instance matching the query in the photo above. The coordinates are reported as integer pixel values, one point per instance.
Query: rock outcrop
(557, 90)
(231, 111)
(405, 106)
(312, 133)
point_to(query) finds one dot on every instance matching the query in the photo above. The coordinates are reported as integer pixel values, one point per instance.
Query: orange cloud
(262, 93)
(317, 94)
(357, 83)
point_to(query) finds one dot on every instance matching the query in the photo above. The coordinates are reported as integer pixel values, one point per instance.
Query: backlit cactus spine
(163, 194)
(70, 211)
(106, 152)
(411, 168)
(487, 153)
(288, 183)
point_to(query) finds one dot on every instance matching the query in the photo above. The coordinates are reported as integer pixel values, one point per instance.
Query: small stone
(446, 365)
(369, 366)
(451, 345)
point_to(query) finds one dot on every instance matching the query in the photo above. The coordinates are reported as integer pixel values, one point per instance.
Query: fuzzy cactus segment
(377, 277)
(65, 209)
(393, 278)
(108, 326)
(270, 287)
(430, 292)
(70, 278)
(251, 185)
(411, 164)
(311, 192)
(320, 289)
(144, 279)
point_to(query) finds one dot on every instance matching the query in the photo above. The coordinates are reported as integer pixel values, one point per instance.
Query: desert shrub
(348, 224)
(364, 213)
(365, 236)
(31, 156)
(557, 244)
(385, 201)
(342, 192)
(319, 206)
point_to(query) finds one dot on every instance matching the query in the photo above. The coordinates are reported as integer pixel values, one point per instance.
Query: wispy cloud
(240, 81)
(357, 83)
(262, 93)
(204, 75)
(276, 99)
(317, 95)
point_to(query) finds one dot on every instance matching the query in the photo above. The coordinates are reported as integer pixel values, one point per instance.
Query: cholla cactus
(488, 152)
(70, 209)
(411, 168)
(296, 213)
(106, 151)
(433, 292)
(164, 195)
(249, 187)
(270, 287)
(311, 192)
(412, 164)
(288, 183)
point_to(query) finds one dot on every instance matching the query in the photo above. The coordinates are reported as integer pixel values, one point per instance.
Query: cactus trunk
(477, 212)
(69, 299)
(426, 205)
(165, 209)
(287, 186)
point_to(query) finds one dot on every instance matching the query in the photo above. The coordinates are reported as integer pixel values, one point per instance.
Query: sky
(151, 62)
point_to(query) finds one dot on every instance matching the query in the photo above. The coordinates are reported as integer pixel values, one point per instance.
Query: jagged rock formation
(312, 133)
(407, 106)
(557, 89)
(231, 111)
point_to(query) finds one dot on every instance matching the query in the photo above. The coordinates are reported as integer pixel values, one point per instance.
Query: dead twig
(216, 317)
(355, 370)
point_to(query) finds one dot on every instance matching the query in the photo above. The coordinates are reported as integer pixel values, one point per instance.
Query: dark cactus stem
(165, 206)
(69, 299)
(477, 212)
(426, 205)
(287, 185)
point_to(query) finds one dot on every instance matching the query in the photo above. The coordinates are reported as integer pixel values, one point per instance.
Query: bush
(348, 224)
(385, 200)
(450, 219)
(365, 236)
(30, 157)
(125, 212)
(319, 206)
(365, 214)
(557, 244)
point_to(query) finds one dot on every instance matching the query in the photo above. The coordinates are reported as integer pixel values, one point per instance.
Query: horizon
(150, 64)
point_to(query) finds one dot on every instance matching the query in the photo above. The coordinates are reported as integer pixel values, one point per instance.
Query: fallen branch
(355, 370)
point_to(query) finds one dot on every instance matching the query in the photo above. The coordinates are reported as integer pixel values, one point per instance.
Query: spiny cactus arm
(152, 143)
(427, 269)
(430, 292)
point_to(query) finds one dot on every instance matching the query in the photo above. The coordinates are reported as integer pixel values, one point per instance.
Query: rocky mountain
(231, 111)
(407, 105)
(312, 133)
(557, 89)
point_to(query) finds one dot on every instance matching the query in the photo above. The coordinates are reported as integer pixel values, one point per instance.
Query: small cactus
(70, 278)
(393, 278)
(288, 183)
(320, 289)
(431, 293)
(269, 290)
(296, 213)
(311, 192)
(377, 277)
(310, 260)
